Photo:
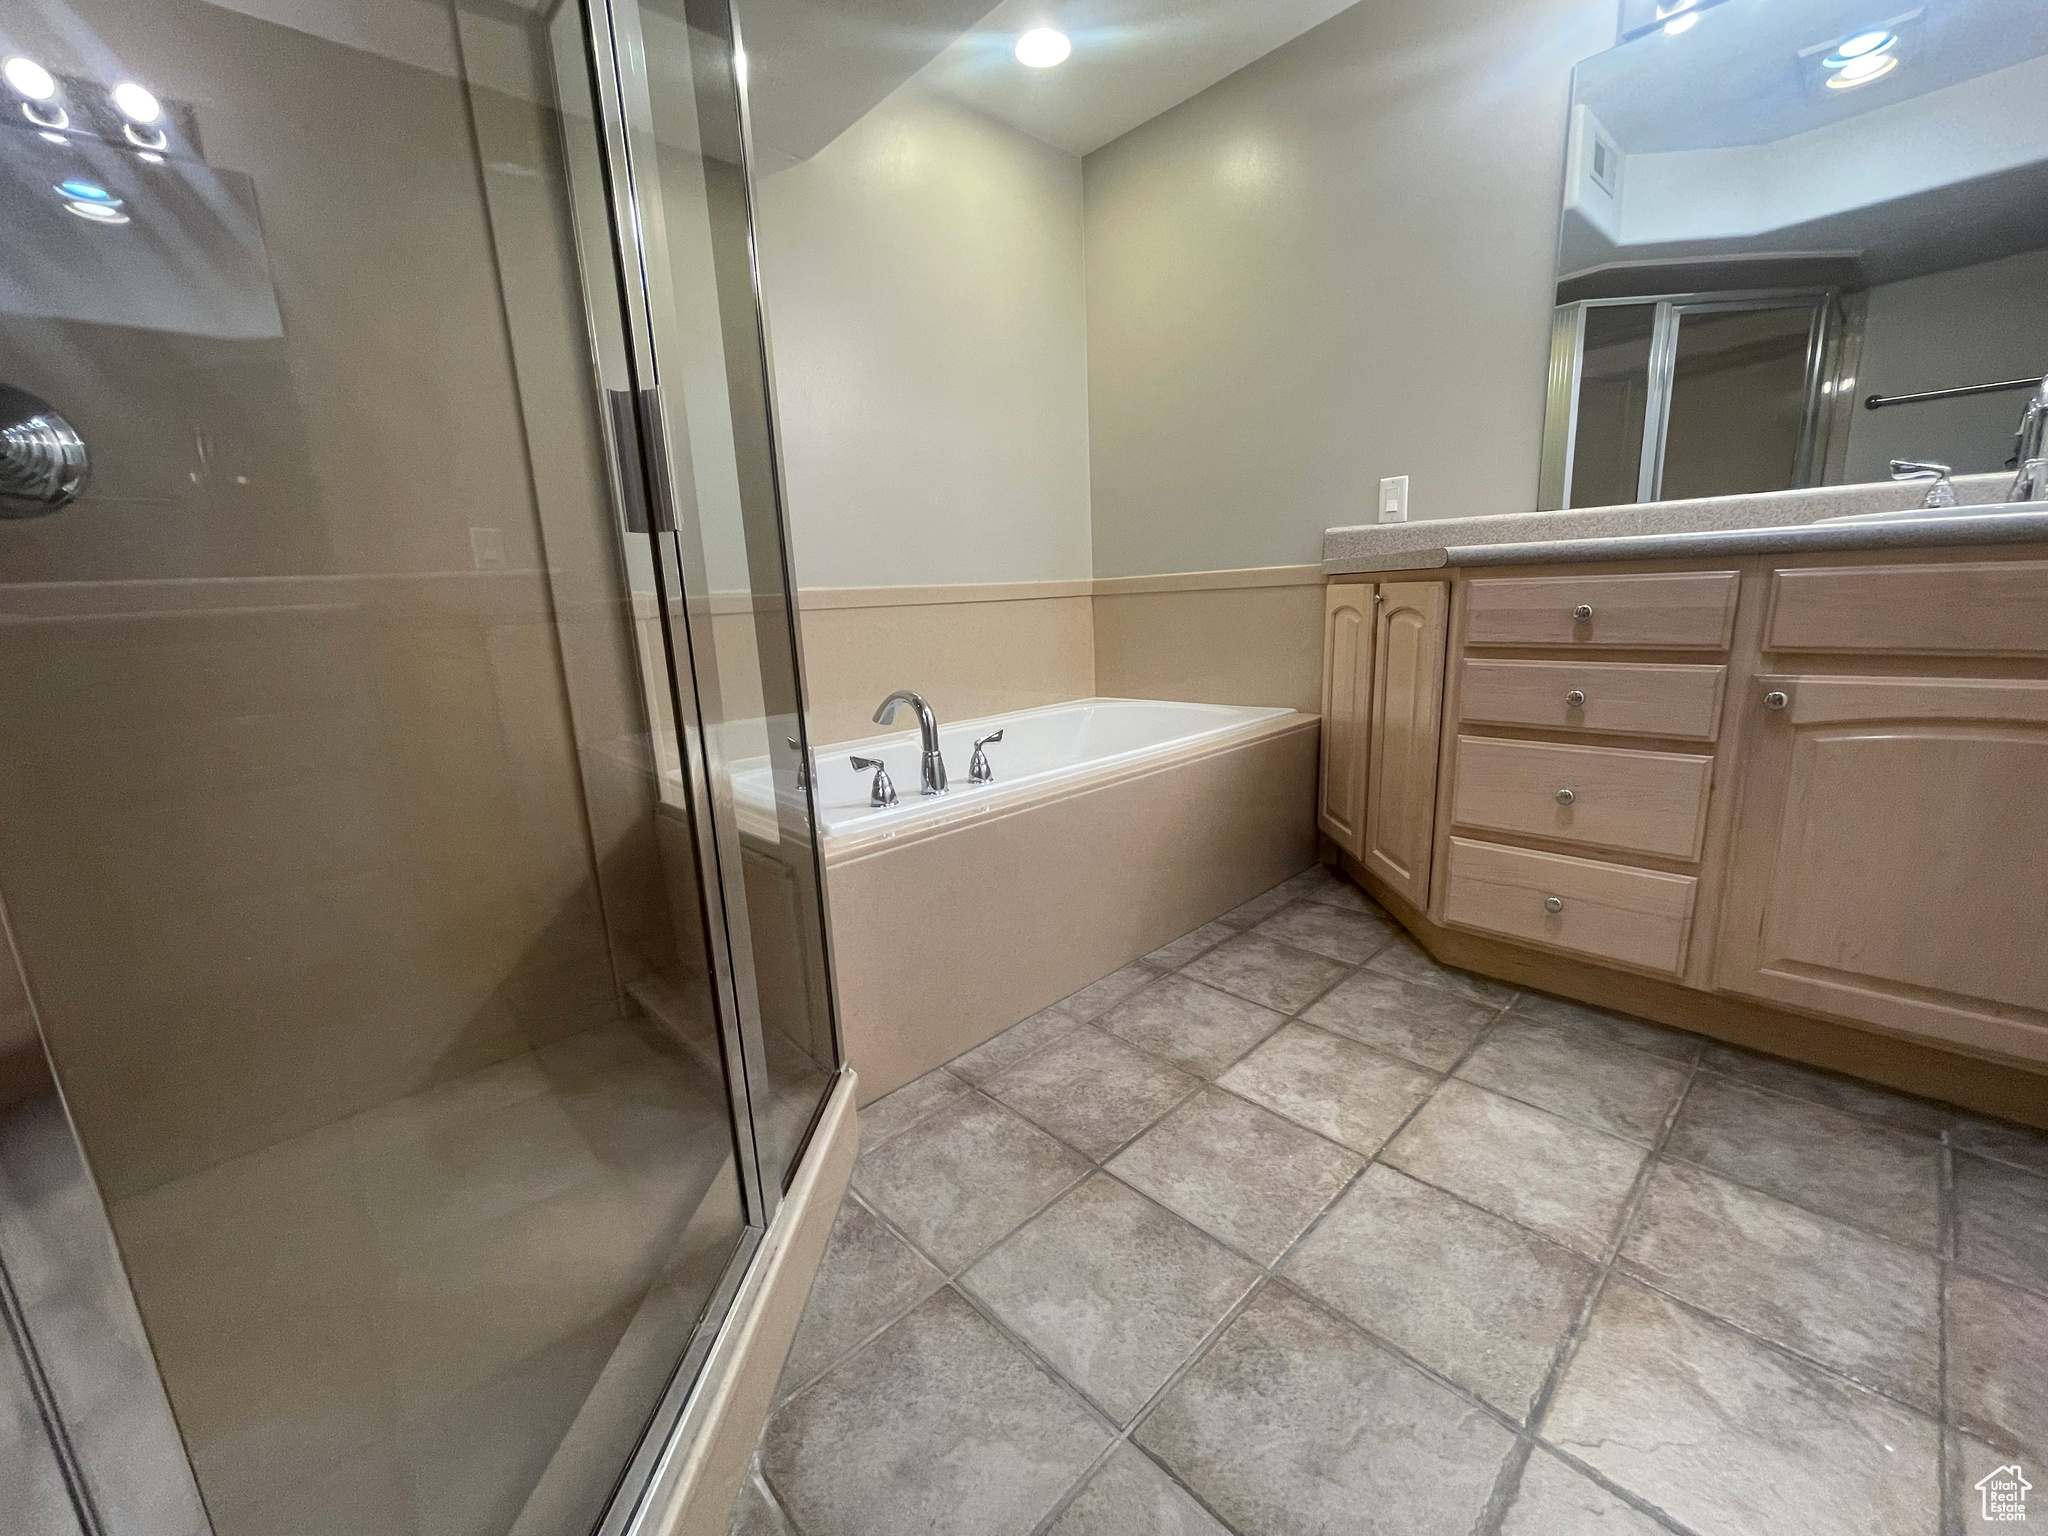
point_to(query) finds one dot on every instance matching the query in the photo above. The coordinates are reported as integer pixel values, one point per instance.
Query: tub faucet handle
(883, 794)
(977, 768)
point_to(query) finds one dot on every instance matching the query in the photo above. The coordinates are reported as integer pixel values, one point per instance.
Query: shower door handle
(640, 442)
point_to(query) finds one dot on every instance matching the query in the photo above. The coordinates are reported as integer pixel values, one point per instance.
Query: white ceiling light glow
(1043, 47)
(29, 78)
(137, 104)
(1872, 66)
(1683, 23)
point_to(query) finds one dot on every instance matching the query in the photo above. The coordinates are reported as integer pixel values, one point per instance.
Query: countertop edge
(1992, 528)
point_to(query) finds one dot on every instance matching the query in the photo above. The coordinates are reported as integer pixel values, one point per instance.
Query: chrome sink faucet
(2031, 483)
(931, 774)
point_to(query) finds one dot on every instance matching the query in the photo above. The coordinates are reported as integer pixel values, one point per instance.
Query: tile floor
(1288, 1229)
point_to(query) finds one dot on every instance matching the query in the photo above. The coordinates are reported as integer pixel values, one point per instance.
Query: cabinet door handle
(1576, 699)
(1553, 903)
(1583, 612)
(1776, 700)
(1565, 797)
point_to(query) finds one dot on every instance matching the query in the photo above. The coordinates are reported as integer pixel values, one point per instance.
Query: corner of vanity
(1785, 786)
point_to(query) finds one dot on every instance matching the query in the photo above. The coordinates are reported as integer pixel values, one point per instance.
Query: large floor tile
(1733, 1439)
(1092, 1090)
(1325, 884)
(1468, 1294)
(1334, 1086)
(1864, 1306)
(1171, 957)
(1113, 1290)
(1421, 1023)
(1559, 1178)
(1556, 1500)
(2017, 1146)
(1578, 1074)
(1351, 938)
(755, 1512)
(1237, 1171)
(966, 1176)
(1129, 1496)
(2002, 1221)
(940, 1425)
(1295, 1425)
(1258, 909)
(1191, 1025)
(1013, 1045)
(1098, 997)
(1621, 1028)
(900, 1110)
(867, 1276)
(1832, 1162)
(1998, 1362)
(1919, 1117)
(1263, 971)
(1405, 958)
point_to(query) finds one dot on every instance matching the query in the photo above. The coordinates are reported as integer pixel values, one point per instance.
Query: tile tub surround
(1231, 1322)
(1432, 543)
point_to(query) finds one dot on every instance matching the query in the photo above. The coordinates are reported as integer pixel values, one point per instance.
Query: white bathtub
(1039, 748)
(1113, 826)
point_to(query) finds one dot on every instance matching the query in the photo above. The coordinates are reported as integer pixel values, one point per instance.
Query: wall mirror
(1799, 239)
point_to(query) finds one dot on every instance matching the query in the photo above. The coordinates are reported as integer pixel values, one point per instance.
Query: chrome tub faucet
(978, 768)
(2031, 483)
(932, 767)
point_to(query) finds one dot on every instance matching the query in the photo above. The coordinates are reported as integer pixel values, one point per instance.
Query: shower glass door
(401, 831)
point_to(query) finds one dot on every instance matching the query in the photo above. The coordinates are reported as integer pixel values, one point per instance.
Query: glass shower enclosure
(404, 1043)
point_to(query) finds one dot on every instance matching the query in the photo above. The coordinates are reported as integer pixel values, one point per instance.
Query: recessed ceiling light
(1043, 47)
(86, 192)
(98, 213)
(1683, 23)
(1876, 40)
(137, 104)
(1872, 66)
(29, 78)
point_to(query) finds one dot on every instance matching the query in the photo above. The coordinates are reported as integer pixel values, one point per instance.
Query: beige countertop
(1720, 525)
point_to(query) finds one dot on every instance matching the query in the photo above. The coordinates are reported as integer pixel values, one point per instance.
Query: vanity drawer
(1604, 797)
(1992, 609)
(1635, 917)
(1616, 698)
(1685, 610)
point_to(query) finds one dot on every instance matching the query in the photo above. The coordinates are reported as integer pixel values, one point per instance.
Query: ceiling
(1737, 77)
(1132, 60)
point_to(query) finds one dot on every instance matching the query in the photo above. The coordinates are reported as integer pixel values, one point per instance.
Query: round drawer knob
(1776, 700)
(1565, 797)
(1583, 612)
(1553, 903)
(1576, 699)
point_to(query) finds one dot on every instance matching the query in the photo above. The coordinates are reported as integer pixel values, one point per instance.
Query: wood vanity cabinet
(1805, 786)
(1890, 854)
(1383, 678)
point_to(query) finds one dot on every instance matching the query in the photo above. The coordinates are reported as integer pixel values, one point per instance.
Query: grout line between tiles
(1950, 1516)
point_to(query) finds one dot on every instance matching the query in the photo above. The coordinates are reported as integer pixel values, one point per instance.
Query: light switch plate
(1394, 499)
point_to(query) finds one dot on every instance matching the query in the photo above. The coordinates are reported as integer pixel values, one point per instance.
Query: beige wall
(1217, 637)
(1334, 265)
(923, 281)
(970, 651)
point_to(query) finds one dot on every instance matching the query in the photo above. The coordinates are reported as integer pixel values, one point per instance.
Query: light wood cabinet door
(1891, 856)
(1409, 629)
(1347, 712)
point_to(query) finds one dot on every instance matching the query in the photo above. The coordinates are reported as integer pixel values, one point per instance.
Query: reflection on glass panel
(1738, 401)
(731, 558)
(1614, 390)
(328, 824)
